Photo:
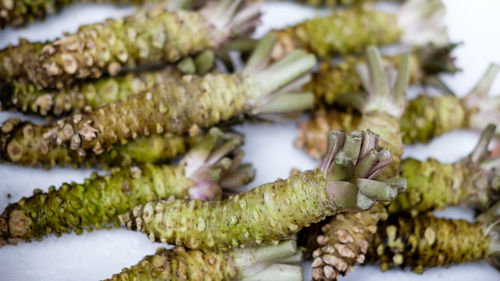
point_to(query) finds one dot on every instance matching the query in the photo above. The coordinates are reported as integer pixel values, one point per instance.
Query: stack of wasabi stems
(131, 94)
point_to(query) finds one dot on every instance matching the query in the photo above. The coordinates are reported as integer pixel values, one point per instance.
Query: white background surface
(99, 254)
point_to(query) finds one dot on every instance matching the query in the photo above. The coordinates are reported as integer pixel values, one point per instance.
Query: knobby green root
(259, 263)
(328, 36)
(277, 210)
(213, 164)
(148, 37)
(92, 205)
(427, 241)
(23, 143)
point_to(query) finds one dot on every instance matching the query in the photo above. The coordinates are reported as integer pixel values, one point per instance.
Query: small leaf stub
(350, 165)
(215, 164)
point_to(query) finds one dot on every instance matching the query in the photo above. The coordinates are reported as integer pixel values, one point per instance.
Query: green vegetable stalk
(344, 239)
(427, 117)
(275, 211)
(207, 168)
(27, 150)
(426, 241)
(16, 61)
(20, 12)
(148, 37)
(332, 81)
(417, 23)
(424, 117)
(473, 181)
(94, 93)
(187, 105)
(259, 263)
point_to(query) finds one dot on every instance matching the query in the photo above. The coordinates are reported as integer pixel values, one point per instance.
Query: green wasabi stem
(428, 117)
(331, 81)
(179, 263)
(88, 94)
(148, 37)
(17, 13)
(418, 23)
(185, 105)
(18, 145)
(473, 181)
(275, 211)
(210, 166)
(343, 240)
(426, 241)
(15, 61)
(424, 117)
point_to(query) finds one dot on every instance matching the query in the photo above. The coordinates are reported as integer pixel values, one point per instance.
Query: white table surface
(99, 254)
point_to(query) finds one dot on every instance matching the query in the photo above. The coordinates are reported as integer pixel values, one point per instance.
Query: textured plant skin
(434, 185)
(270, 212)
(92, 205)
(23, 144)
(15, 61)
(427, 241)
(180, 263)
(148, 37)
(213, 164)
(86, 94)
(428, 117)
(328, 36)
(274, 211)
(18, 13)
(344, 240)
(309, 138)
(185, 105)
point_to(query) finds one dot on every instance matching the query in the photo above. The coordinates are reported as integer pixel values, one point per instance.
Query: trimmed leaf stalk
(206, 169)
(418, 23)
(275, 211)
(344, 239)
(87, 94)
(424, 117)
(17, 13)
(179, 263)
(426, 241)
(187, 105)
(332, 81)
(148, 37)
(19, 145)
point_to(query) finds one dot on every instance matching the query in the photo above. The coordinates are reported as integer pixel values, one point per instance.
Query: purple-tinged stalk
(473, 181)
(344, 239)
(418, 23)
(275, 211)
(188, 105)
(258, 263)
(426, 241)
(212, 165)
